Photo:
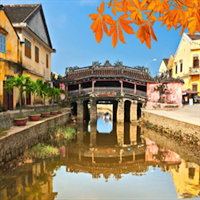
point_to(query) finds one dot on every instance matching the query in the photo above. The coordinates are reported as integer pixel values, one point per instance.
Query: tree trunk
(34, 104)
(44, 104)
(20, 101)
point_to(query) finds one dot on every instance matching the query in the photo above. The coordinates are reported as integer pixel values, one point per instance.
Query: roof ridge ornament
(107, 64)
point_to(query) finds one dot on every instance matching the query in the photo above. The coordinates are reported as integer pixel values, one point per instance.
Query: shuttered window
(27, 48)
(36, 54)
(47, 61)
(181, 68)
(2, 43)
(176, 69)
(194, 88)
(195, 62)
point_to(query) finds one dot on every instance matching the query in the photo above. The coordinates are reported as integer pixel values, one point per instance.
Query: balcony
(107, 90)
(194, 70)
(195, 46)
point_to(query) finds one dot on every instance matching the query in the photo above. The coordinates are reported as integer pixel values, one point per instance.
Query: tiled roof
(108, 73)
(194, 37)
(166, 60)
(20, 13)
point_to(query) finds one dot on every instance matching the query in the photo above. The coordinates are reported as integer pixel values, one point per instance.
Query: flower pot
(45, 114)
(35, 117)
(21, 121)
(60, 112)
(54, 112)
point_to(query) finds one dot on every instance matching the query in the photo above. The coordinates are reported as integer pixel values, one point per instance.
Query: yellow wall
(13, 53)
(186, 51)
(182, 181)
(170, 63)
(30, 63)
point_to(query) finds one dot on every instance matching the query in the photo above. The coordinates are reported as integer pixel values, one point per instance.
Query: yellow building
(185, 63)
(163, 66)
(10, 59)
(186, 180)
(30, 25)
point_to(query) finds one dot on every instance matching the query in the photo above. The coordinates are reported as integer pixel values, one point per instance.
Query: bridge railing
(141, 93)
(106, 89)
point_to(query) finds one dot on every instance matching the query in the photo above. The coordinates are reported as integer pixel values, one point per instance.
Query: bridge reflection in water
(121, 154)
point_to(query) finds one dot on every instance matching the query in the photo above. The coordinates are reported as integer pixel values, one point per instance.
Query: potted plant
(45, 93)
(52, 93)
(22, 84)
(35, 88)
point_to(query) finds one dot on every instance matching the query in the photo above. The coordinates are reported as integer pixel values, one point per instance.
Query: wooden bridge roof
(107, 72)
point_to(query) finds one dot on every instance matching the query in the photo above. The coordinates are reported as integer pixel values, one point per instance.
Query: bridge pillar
(80, 111)
(93, 111)
(93, 134)
(120, 134)
(133, 134)
(120, 112)
(133, 111)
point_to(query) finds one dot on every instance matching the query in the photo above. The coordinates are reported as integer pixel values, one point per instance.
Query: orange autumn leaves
(100, 24)
(144, 13)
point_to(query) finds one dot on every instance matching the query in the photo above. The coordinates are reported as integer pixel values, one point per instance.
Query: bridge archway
(127, 108)
(74, 108)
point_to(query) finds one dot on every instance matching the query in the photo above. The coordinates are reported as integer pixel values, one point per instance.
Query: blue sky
(74, 41)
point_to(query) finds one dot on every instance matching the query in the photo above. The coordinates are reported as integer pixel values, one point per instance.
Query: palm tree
(44, 91)
(35, 88)
(52, 93)
(21, 83)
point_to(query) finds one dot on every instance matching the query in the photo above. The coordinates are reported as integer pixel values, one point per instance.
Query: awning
(188, 91)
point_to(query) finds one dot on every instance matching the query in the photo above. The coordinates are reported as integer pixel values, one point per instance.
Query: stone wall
(20, 139)
(186, 152)
(187, 130)
(7, 118)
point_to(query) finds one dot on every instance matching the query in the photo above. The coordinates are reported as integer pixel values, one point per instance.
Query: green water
(116, 164)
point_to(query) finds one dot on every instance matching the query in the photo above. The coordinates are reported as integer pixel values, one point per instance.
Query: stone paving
(188, 114)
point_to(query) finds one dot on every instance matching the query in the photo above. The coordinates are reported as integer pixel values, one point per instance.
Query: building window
(194, 88)
(191, 173)
(2, 43)
(176, 69)
(36, 54)
(47, 61)
(181, 67)
(27, 48)
(170, 72)
(195, 62)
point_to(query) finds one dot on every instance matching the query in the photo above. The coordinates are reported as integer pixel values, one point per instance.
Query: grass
(43, 151)
(59, 132)
(45, 111)
(21, 117)
(35, 114)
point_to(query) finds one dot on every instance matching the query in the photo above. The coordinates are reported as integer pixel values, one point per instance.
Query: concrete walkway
(188, 114)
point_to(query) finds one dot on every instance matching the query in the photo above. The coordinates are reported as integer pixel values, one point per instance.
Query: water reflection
(123, 155)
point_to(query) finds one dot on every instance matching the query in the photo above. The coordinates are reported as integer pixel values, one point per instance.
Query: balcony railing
(194, 70)
(107, 90)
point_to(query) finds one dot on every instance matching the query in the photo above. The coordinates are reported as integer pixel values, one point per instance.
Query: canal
(105, 161)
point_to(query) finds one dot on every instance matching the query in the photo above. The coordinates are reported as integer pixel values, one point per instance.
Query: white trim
(27, 35)
(195, 83)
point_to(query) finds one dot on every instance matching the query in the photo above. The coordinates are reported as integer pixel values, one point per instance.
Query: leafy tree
(21, 83)
(35, 88)
(144, 13)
